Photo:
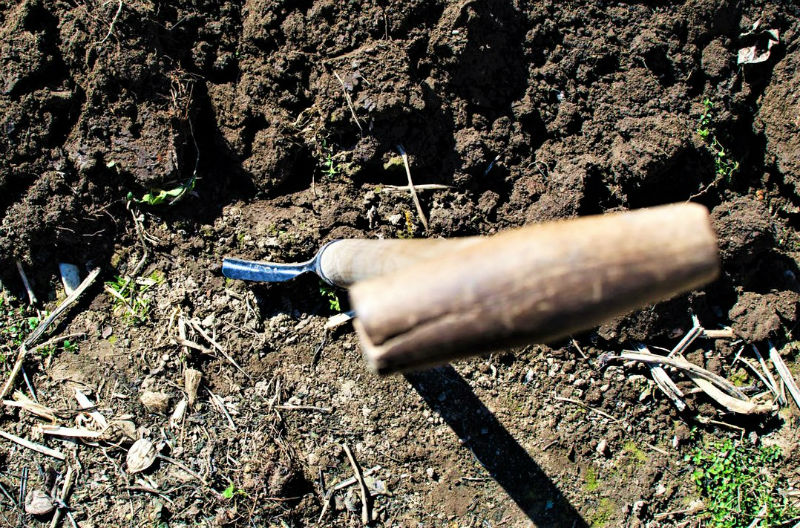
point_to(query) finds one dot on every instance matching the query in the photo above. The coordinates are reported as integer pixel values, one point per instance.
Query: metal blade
(263, 271)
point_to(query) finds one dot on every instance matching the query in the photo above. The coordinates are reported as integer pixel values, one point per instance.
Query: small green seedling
(740, 482)
(329, 294)
(330, 169)
(16, 324)
(232, 491)
(128, 295)
(159, 196)
(724, 166)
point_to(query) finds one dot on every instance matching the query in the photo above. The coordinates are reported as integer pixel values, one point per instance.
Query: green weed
(16, 323)
(159, 196)
(329, 294)
(740, 482)
(330, 168)
(128, 295)
(724, 165)
(232, 491)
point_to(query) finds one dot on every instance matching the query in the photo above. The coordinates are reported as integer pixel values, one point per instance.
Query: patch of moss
(590, 478)
(395, 162)
(603, 514)
(638, 456)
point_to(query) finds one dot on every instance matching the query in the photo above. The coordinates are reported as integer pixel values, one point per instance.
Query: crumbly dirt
(282, 121)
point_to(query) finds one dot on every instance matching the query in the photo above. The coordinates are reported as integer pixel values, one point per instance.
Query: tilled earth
(150, 139)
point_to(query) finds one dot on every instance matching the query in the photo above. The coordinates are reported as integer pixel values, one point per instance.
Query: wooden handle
(533, 284)
(345, 262)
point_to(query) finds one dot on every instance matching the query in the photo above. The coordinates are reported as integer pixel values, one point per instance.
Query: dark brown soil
(282, 121)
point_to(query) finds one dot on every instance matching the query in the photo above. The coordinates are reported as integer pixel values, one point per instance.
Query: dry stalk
(349, 102)
(584, 406)
(366, 516)
(31, 296)
(32, 445)
(785, 374)
(36, 334)
(413, 189)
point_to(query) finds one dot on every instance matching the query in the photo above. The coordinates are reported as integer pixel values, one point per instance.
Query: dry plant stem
(36, 334)
(785, 375)
(327, 497)
(86, 403)
(687, 340)
(689, 368)
(32, 445)
(349, 102)
(412, 188)
(70, 432)
(185, 343)
(665, 383)
(312, 408)
(771, 384)
(578, 348)
(338, 320)
(724, 333)
(366, 517)
(421, 187)
(730, 403)
(66, 489)
(219, 347)
(757, 372)
(113, 23)
(31, 296)
(219, 403)
(35, 408)
(583, 405)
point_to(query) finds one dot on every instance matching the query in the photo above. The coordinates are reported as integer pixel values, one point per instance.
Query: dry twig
(32, 445)
(66, 489)
(212, 342)
(349, 101)
(36, 334)
(411, 187)
(785, 374)
(366, 516)
(583, 405)
(31, 296)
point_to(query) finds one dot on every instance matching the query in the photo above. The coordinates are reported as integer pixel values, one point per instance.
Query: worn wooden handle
(345, 262)
(532, 284)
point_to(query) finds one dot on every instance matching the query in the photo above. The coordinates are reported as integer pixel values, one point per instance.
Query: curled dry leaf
(141, 456)
(37, 502)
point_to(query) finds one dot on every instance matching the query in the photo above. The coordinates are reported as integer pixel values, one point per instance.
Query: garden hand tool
(343, 262)
(534, 284)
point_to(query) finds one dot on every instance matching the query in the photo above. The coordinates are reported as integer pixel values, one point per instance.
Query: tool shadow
(494, 447)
